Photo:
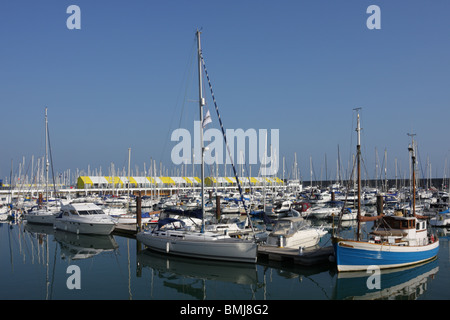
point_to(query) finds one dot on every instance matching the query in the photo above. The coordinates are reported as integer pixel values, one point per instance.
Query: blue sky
(123, 80)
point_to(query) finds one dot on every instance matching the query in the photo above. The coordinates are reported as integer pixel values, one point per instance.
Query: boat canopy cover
(165, 221)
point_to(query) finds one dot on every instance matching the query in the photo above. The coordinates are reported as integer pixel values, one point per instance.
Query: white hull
(200, 245)
(323, 213)
(302, 238)
(48, 218)
(84, 218)
(131, 219)
(440, 220)
(80, 227)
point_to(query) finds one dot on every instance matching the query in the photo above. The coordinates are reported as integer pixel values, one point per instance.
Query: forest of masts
(33, 173)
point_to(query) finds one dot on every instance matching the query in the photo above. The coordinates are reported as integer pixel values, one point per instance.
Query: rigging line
(51, 160)
(178, 98)
(226, 143)
(349, 182)
(351, 140)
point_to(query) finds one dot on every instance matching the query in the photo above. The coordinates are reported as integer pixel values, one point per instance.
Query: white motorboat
(329, 209)
(4, 212)
(230, 208)
(131, 218)
(280, 209)
(346, 215)
(84, 218)
(294, 232)
(442, 219)
(115, 210)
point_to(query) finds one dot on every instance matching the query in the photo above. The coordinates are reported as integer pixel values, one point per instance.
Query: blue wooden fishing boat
(399, 240)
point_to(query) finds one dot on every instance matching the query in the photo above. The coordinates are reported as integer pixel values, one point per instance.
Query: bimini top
(163, 222)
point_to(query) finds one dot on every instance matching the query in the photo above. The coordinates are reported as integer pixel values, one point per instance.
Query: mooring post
(138, 212)
(379, 204)
(217, 207)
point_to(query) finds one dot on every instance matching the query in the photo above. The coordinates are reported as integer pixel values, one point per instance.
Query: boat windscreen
(89, 212)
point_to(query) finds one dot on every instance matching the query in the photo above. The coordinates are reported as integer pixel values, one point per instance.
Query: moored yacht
(195, 243)
(183, 241)
(294, 232)
(84, 218)
(42, 214)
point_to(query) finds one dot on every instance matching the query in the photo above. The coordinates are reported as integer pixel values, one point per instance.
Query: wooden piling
(218, 208)
(379, 204)
(138, 212)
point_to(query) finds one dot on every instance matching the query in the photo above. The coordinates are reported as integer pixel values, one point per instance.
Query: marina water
(35, 261)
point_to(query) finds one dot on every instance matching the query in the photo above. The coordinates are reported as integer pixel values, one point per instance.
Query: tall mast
(413, 163)
(46, 157)
(358, 159)
(201, 102)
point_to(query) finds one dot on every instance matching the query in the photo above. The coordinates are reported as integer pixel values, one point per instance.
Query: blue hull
(358, 256)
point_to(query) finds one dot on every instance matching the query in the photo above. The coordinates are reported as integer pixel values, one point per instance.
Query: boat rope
(226, 143)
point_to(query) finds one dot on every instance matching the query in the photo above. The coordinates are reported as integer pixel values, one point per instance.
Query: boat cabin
(282, 206)
(80, 210)
(288, 226)
(401, 229)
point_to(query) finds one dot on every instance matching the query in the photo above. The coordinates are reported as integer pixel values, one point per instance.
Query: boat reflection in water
(407, 283)
(175, 270)
(83, 246)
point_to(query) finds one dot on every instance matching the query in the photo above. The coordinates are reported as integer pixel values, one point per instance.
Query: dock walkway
(306, 257)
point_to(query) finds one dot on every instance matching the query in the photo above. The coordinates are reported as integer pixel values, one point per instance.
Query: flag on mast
(207, 119)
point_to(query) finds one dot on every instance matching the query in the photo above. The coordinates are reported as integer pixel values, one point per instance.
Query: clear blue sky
(297, 66)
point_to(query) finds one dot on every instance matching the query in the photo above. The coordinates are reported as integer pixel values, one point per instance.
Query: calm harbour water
(34, 263)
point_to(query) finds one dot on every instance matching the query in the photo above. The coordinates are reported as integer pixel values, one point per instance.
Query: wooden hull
(358, 255)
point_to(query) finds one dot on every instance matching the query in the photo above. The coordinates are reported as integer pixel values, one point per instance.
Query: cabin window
(88, 212)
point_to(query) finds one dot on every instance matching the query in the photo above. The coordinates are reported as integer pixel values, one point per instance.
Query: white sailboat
(194, 243)
(44, 214)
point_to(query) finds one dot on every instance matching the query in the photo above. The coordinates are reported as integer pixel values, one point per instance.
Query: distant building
(106, 182)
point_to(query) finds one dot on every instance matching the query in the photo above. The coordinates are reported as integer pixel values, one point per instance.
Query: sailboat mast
(201, 104)
(358, 159)
(46, 157)
(413, 163)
